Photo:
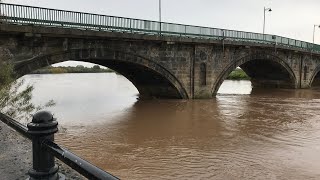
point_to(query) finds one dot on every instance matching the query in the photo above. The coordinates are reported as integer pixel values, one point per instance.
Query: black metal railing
(26, 15)
(41, 132)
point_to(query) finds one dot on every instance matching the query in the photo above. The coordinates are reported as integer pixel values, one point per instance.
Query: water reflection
(263, 134)
(235, 87)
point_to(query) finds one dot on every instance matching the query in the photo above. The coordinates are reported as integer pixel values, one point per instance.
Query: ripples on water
(258, 134)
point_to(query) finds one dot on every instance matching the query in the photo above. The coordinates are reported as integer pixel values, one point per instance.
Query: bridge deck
(29, 15)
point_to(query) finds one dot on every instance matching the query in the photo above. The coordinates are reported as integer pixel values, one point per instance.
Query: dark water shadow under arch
(247, 64)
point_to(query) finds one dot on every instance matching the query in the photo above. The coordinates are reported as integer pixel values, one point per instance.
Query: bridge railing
(41, 132)
(26, 15)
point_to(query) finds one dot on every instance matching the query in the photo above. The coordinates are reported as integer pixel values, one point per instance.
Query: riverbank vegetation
(238, 74)
(15, 96)
(70, 69)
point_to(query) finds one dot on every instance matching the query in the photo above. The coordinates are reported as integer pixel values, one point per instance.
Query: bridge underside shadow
(316, 80)
(268, 74)
(264, 70)
(149, 83)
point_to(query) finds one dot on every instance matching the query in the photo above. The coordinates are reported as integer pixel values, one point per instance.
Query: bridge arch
(315, 77)
(250, 63)
(150, 78)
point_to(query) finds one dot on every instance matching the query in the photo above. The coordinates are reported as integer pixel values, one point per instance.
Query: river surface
(243, 133)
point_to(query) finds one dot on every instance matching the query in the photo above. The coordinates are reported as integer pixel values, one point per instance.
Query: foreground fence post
(43, 127)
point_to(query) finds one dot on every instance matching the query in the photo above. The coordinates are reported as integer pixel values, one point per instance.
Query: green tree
(15, 100)
(80, 66)
(96, 67)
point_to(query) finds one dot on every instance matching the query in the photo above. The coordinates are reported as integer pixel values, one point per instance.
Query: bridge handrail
(26, 15)
(81, 166)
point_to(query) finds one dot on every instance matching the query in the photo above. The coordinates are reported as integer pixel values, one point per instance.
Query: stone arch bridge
(174, 61)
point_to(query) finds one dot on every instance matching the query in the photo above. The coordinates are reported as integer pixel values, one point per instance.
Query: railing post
(42, 128)
(130, 20)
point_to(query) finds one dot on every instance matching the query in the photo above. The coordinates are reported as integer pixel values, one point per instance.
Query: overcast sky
(289, 18)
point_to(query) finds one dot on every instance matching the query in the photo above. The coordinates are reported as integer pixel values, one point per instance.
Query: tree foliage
(15, 100)
(70, 69)
(238, 74)
(96, 67)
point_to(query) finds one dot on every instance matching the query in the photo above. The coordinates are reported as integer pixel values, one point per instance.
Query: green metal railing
(26, 15)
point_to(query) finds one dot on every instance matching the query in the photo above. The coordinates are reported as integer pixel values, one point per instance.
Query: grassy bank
(77, 69)
(238, 74)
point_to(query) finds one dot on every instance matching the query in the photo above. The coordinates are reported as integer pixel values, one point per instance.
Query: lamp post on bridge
(264, 17)
(314, 29)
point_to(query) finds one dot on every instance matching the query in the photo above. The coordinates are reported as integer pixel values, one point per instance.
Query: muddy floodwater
(243, 133)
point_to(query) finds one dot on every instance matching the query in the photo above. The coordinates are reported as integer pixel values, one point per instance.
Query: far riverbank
(71, 69)
(237, 74)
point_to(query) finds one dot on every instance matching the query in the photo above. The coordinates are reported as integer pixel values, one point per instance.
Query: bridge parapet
(26, 15)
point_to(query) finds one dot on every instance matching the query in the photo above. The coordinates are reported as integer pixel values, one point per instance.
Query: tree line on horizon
(237, 74)
(71, 69)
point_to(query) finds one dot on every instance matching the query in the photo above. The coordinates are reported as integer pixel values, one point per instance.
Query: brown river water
(243, 133)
